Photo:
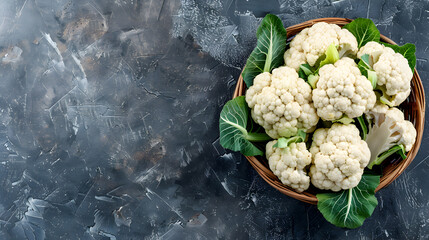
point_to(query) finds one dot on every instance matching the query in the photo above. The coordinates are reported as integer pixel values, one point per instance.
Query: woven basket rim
(415, 109)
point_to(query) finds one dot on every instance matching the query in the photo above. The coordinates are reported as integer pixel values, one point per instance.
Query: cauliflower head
(281, 103)
(311, 43)
(342, 90)
(339, 157)
(371, 48)
(393, 72)
(388, 128)
(289, 164)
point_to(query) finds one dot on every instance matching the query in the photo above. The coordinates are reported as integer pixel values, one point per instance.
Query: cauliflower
(342, 90)
(371, 48)
(387, 130)
(281, 103)
(289, 164)
(393, 72)
(311, 43)
(339, 157)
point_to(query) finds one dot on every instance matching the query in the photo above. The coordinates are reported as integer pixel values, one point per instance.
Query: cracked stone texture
(109, 122)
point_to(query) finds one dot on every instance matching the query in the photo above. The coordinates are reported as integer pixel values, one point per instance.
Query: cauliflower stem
(399, 149)
(388, 133)
(386, 99)
(251, 136)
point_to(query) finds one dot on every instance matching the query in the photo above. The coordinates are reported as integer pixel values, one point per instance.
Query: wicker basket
(413, 107)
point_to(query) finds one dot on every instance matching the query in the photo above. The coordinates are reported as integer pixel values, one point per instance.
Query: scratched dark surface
(109, 122)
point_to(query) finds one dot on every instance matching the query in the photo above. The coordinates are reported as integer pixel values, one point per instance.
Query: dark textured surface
(109, 126)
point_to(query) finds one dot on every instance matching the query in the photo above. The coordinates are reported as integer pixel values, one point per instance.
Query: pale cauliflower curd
(339, 157)
(342, 90)
(284, 104)
(392, 70)
(290, 164)
(281, 103)
(311, 43)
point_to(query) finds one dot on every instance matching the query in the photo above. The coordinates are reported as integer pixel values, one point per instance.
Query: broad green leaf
(232, 126)
(285, 142)
(269, 50)
(349, 208)
(364, 30)
(407, 50)
(399, 149)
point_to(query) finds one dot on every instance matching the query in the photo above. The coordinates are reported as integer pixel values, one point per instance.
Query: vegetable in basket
(342, 76)
(310, 44)
(387, 130)
(339, 157)
(288, 159)
(281, 103)
(342, 90)
(393, 74)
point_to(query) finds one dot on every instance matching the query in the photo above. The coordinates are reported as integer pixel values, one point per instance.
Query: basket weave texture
(413, 108)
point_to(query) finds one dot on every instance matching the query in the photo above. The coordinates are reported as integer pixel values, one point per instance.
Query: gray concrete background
(109, 122)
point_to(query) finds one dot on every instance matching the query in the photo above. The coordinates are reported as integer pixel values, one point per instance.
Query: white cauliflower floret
(311, 43)
(388, 128)
(339, 157)
(289, 164)
(342, 90)
(371, 48)
(281, 103)
(393, 72)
